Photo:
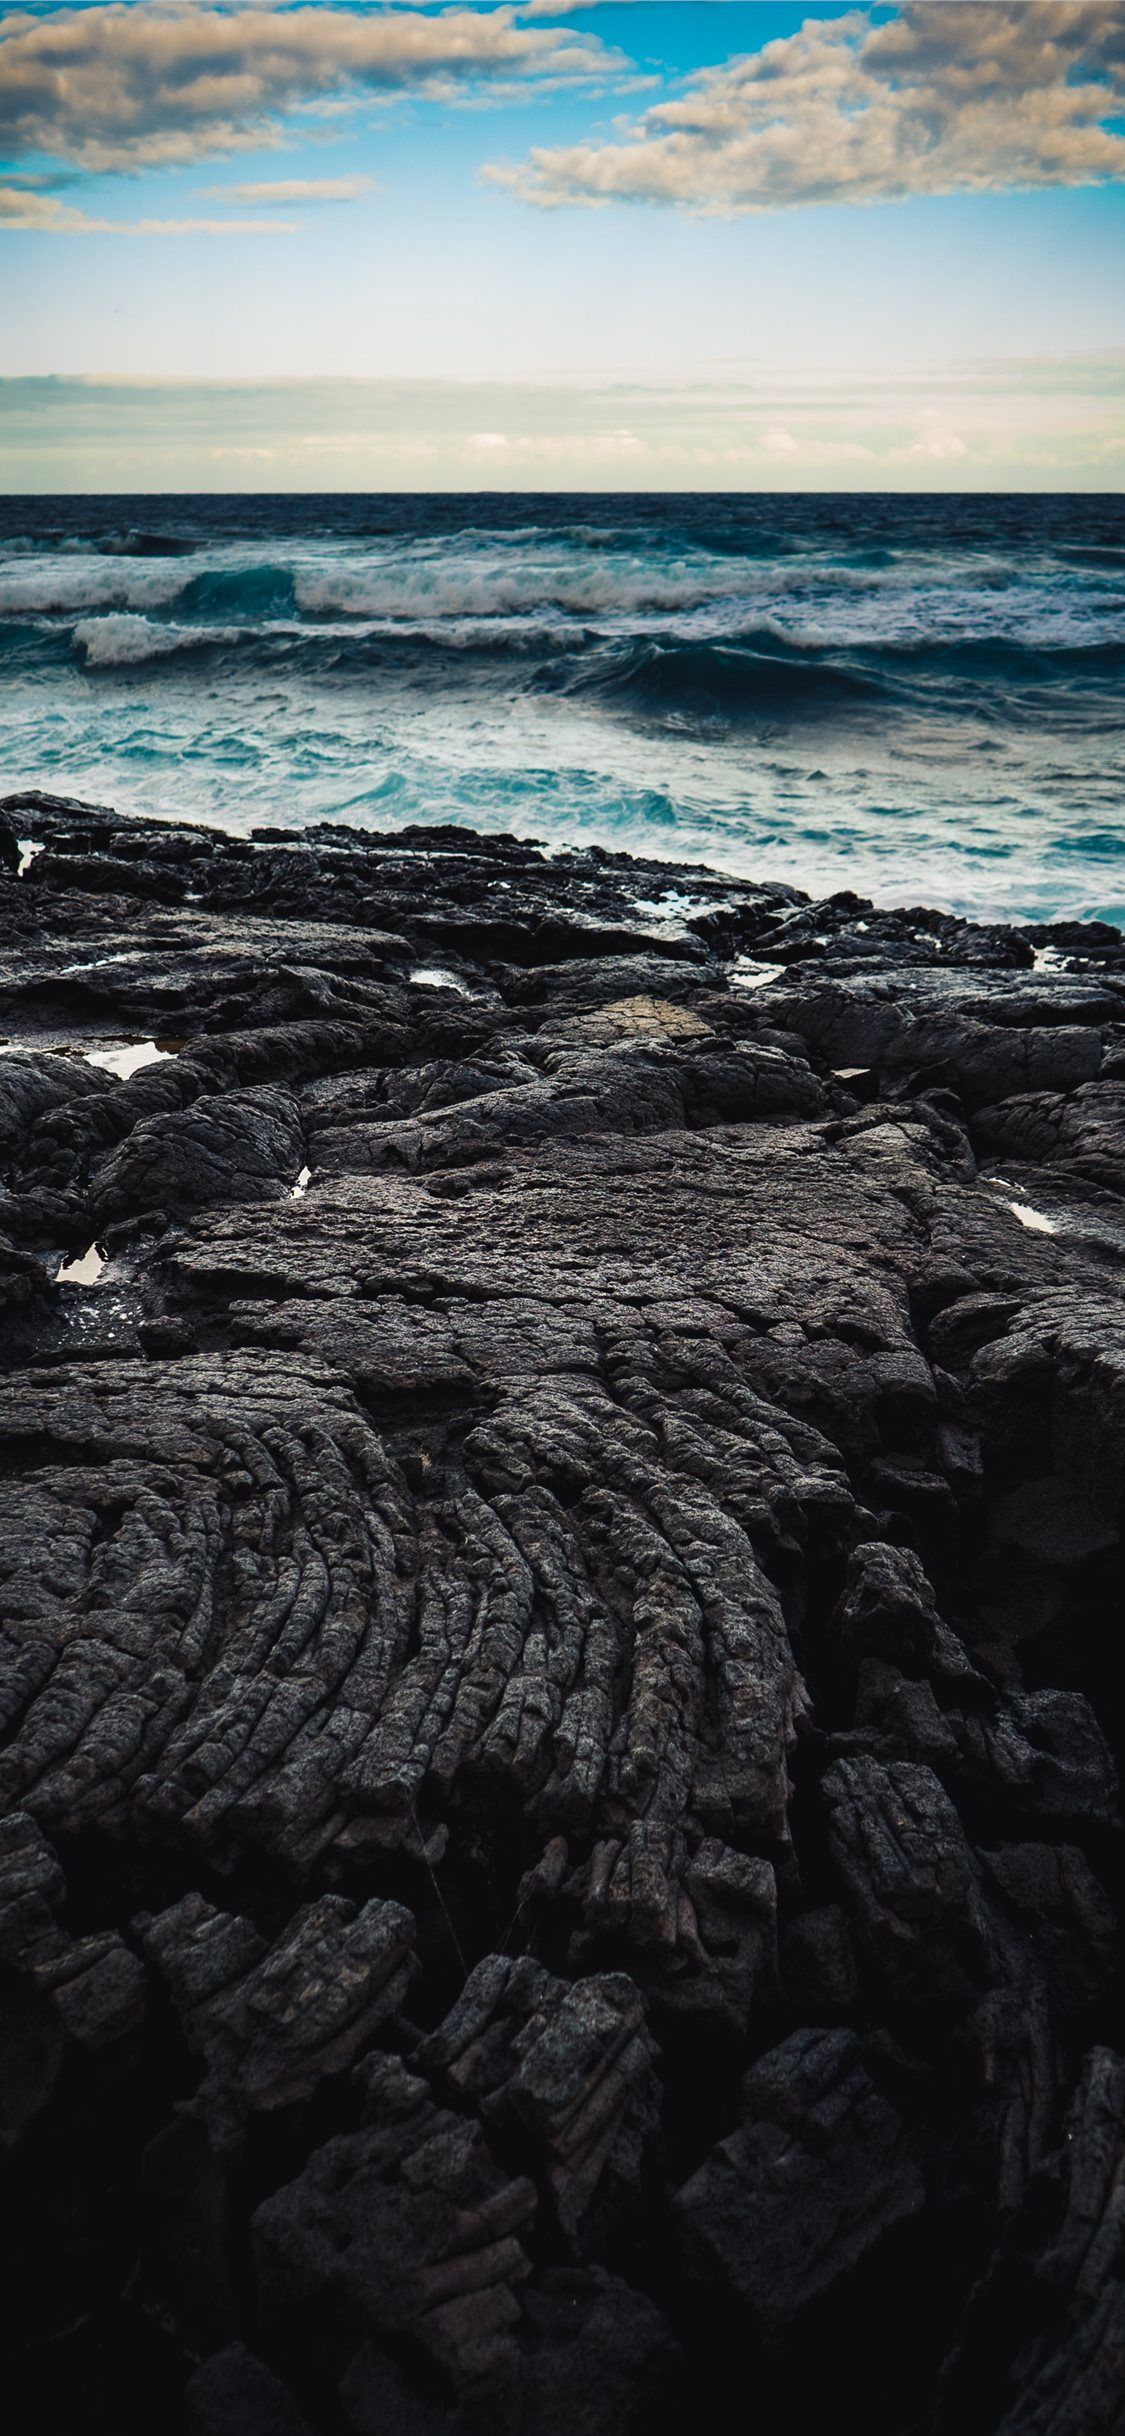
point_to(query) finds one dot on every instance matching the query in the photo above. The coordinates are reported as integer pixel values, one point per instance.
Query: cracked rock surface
(562, 1467)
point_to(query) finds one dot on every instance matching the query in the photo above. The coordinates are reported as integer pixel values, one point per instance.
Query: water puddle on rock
(119, 1057)
(97, 964)
(748, 974)
(1033, 1219)
(435, 977)
(84, 1269)
(123, 1058)
(1036, 1221)
(672, 907)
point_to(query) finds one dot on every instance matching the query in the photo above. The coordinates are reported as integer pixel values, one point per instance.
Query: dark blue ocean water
(918, 698)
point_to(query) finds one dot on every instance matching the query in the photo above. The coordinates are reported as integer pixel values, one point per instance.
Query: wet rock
(23, 1279)
(31, 1085)
(1081, 1132)
(10, 857)
(238, 1146)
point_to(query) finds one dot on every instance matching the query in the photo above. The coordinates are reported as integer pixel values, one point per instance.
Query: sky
(630, 244)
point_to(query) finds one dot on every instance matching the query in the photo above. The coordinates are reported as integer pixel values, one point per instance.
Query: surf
(899, 695)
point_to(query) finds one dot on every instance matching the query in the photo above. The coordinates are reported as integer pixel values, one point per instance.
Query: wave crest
(84, 585)
(420, 593)
(125, 641)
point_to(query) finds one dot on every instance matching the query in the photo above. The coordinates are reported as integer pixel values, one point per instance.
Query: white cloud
(551, 447)
(948, 96)
(197, 228)
(25, 207)
(937, 441)
(140, 82)
(808, 449)
(294, 190)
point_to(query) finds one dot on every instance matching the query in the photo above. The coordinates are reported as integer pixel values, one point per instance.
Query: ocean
(917, 698)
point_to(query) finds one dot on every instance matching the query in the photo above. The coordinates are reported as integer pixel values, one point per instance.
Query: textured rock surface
(562, 1449)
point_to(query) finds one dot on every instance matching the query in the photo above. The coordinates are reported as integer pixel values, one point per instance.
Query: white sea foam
(804, 603)
(119, 641)
(76, 585)
(416, 590)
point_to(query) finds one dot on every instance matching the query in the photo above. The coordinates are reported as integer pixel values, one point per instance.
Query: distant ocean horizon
(919, 698)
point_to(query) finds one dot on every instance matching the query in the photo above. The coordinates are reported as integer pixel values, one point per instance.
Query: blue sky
(658, 244)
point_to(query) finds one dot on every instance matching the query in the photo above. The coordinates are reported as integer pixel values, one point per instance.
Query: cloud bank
(949, 96)
(1021, 424)
(126, 86)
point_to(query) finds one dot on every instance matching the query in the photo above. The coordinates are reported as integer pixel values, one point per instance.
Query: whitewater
(920, 699)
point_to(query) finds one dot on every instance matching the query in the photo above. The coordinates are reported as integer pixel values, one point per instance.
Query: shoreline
(560, 1823)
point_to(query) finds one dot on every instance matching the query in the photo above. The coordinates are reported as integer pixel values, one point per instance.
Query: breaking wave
(126, 642)
(839, 690)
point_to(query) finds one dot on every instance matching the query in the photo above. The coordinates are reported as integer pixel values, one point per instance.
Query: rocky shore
(562, 1447)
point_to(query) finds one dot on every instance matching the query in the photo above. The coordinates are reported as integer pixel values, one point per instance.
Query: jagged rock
(595, 2355)
(67, 1994)
(584, 1499)
(819, 2171)
(234, 2394)
(9, 848)
(701, 1927)
(911, 1883)
(565, 2072)
(407, 2229)
(23, 1279)
(1014, 2064)
(238, 1146)
(271, 2021)
(1082, 1131)
(30, 1085)
(889, 1613)
(818, 1963)
(1042, 2353)
(1064, 1912)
